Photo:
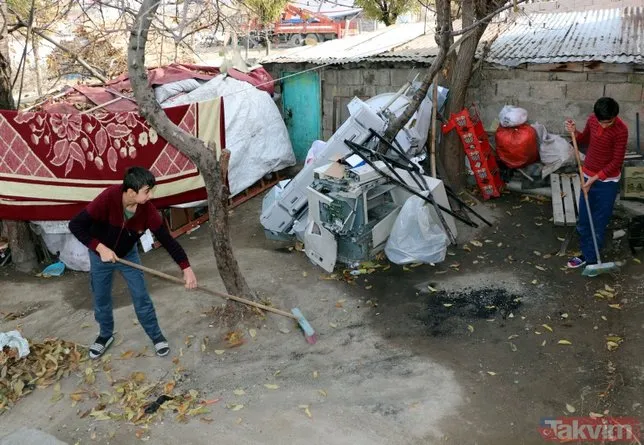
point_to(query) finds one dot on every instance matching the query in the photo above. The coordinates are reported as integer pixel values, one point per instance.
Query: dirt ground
(452, 354)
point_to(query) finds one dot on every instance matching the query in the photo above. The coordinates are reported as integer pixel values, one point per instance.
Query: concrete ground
(452, 354)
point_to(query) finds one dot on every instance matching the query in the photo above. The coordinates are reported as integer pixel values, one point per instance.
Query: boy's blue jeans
(601, 198)
(101, 275)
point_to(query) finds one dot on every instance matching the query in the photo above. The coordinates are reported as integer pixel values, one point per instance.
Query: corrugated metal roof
(351, 49)
(329, 8)
(608, 35)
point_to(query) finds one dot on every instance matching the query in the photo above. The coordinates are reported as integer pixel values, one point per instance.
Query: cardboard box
(180, 217)
(633, 181)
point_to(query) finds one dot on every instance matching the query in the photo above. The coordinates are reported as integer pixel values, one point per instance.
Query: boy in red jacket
(110, 227)
(606, 136)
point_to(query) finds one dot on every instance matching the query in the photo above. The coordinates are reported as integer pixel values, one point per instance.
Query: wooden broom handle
(209, 291)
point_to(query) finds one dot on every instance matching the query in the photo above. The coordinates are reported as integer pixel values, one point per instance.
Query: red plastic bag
(517, 146)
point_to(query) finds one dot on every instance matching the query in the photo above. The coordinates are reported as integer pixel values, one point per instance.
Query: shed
(553, 64)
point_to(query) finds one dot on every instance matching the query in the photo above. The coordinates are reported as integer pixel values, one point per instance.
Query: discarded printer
(343, 205)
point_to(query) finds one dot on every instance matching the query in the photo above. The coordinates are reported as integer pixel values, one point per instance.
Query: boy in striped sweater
(605, 135)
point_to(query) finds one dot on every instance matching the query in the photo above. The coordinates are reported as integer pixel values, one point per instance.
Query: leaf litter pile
(47, 363)
(133, 399)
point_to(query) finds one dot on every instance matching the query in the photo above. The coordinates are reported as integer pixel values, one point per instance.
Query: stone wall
(549, 97)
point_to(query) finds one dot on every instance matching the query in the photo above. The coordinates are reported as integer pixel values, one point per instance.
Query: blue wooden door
(301, 109)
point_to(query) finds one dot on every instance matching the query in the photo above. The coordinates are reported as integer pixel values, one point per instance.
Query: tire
(296, 40)
(313, 38)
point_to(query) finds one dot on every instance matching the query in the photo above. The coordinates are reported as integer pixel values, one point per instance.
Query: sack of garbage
(512, 116)
(417, 236)
(517, 146)
(552, 147)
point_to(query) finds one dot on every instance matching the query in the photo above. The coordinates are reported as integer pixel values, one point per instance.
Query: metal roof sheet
(350, 49)
(607, 35)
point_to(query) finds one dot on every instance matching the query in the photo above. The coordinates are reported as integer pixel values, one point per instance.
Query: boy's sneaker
(576, 262)
(161, 346)
(100, 346)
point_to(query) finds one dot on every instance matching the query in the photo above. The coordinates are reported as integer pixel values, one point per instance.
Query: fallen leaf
(470, 328)
(307, 411)
(305, 274)
(534, 281)
(219, 351)
(547, 327)
(476, 243)
(491, 372)
(414, 265)
(271, 386)
(513, 347)
(127, 355)
(512, 336)
(448, 304)
(315, 374)
(138, 377)
(236, 407)
(570, 408)
(540, 268)
(368, 287)
(608, 288)
(564, 342)
(322, 392)
(333, 325)
(239, 392)
(467, 248)
(169, 387)
(206, 419)
(612, 345)
(564, 315)
(615, 306)
(595, 415)
(637, 260)
(604, 318)
(432, 289)
(543, 343)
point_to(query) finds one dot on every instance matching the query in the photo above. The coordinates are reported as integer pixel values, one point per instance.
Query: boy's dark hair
(138, 177)
(606, 108)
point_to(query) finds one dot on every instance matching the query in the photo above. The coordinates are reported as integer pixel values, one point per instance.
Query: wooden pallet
(566, 189)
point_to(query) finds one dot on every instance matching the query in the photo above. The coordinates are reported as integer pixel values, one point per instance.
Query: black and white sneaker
(100, 346)
(161, 346)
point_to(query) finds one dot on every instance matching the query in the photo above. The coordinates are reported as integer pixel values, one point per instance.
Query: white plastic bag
(512, 116)
(317, 147)
(417, 236)
(554, 150)
(14, 339)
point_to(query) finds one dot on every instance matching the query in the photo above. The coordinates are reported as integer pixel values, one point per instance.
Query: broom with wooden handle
(591, 270)
(295, 313)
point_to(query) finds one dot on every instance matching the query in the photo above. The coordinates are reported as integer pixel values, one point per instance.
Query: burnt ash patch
(445, 311)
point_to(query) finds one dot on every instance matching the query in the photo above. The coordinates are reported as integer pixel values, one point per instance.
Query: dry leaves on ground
(47, 363)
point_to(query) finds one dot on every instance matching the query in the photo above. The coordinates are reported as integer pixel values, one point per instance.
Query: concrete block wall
(340, 84)
(551, 97)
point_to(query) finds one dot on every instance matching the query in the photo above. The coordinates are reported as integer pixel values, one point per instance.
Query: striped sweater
(606, 148)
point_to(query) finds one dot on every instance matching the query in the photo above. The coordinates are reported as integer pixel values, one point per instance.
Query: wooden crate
(566, 189)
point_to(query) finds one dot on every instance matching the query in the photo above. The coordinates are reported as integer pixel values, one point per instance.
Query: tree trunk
(210, 164)
(36, 46)
(452, 154)
(23, 252)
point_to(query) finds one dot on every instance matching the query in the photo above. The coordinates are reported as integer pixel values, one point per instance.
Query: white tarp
(255, 131)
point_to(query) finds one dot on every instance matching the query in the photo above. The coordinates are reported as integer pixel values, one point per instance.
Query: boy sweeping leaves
(606, 136)
(110, 227)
